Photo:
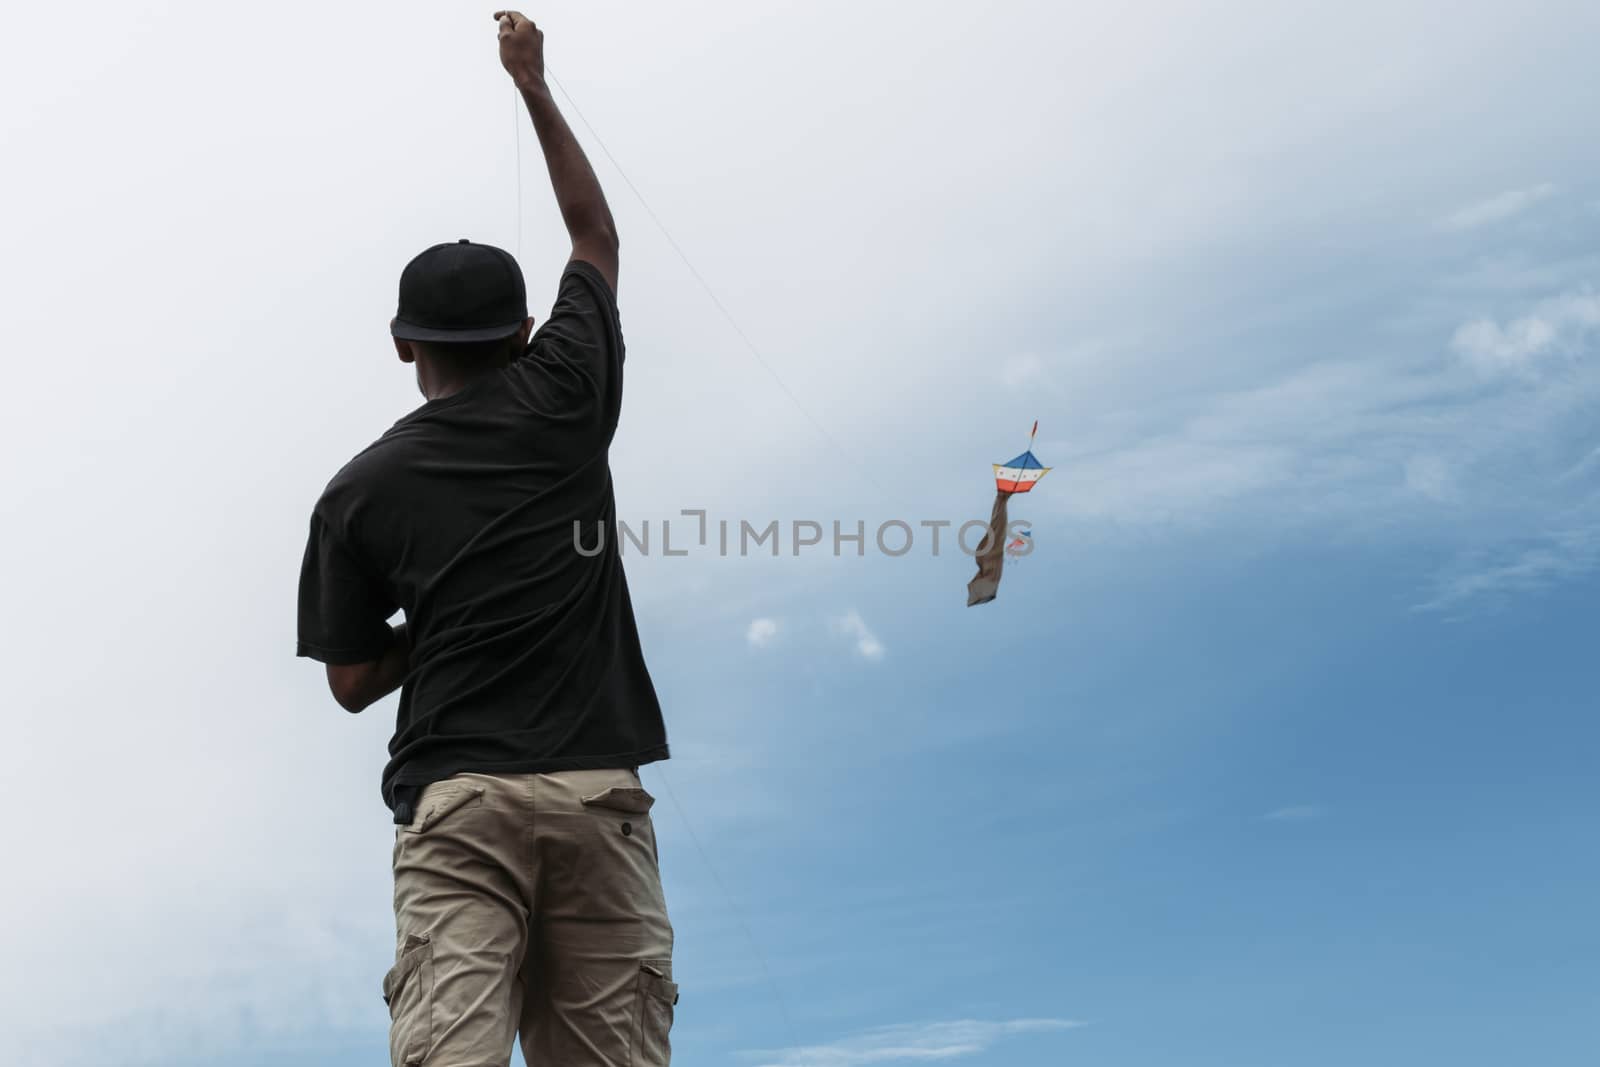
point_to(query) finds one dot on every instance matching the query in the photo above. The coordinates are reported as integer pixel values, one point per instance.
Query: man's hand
(578, 193)
(521, 48)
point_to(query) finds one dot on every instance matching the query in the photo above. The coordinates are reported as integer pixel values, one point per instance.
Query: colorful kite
(1019, 475)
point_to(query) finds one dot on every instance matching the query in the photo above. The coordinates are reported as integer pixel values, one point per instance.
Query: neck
(438, 379)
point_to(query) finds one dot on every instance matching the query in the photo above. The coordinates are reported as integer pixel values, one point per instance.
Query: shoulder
(584, 291)
(356, 484)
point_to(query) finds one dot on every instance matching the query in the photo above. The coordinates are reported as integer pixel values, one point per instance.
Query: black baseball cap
(460, 292)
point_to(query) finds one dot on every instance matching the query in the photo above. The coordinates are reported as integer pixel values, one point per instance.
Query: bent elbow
(349, 701)
(348, 686)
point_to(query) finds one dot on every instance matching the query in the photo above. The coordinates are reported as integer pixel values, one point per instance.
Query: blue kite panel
(1025, 461)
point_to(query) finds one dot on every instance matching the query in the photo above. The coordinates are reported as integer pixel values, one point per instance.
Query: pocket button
(627, 829)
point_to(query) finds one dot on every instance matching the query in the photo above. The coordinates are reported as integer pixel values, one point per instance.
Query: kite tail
(991, 556)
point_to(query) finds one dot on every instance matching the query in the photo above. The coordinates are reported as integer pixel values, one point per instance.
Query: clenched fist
(521, 48)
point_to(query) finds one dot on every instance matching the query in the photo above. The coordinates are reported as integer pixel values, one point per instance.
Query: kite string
(738, 913)
(727, 315)
(516, 134)
(683, 815)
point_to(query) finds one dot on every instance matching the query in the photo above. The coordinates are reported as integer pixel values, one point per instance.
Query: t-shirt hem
(547, 765)
(339, 657)
(584, 267)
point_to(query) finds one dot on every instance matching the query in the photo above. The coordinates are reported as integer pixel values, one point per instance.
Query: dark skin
(440, 374)
(594, 240)
(358, 685)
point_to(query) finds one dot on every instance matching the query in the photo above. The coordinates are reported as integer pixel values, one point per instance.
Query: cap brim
(409, 331)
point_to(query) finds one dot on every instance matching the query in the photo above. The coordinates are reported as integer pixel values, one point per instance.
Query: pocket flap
(436, 803)
(657, 984)
(412, 953)
(628, 798)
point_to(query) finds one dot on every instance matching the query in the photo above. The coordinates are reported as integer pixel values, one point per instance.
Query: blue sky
(1277, 751)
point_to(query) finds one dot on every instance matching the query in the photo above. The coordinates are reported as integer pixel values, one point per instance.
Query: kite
(1018, 475)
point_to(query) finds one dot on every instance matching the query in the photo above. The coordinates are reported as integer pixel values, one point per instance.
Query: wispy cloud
(761, 632)
(1553, 325)
(911, 1043)
(1295, 813)
(1517, 569)
(1490, 416)
(853, 626)
(1497, 208)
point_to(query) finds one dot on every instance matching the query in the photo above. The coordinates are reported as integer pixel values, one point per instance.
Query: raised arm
(578, 193)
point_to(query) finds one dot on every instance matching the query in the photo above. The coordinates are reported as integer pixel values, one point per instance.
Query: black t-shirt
(525, 653)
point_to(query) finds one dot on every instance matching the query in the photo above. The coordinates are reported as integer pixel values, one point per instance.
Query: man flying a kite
(527, 892)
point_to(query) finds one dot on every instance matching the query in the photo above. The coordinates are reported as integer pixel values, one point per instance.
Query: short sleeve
(344, 610)
(576, 356)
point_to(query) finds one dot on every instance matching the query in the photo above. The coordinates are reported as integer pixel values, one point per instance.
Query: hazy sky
(1279, 749)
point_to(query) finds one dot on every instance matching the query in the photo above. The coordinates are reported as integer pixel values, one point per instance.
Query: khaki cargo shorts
(530, 905)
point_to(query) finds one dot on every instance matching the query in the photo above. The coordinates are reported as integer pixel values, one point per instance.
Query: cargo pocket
(630, 799)
(632, 803)
(439, 800)
(408, 990)
(653, 1009)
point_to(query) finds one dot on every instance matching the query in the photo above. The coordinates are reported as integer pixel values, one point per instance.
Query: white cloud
(1498, 208)
(1553, 325)
(852, 625)
(911, 1043)
(1523, 568)
(761, 632)
(1295, 813)
(1322, 441)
